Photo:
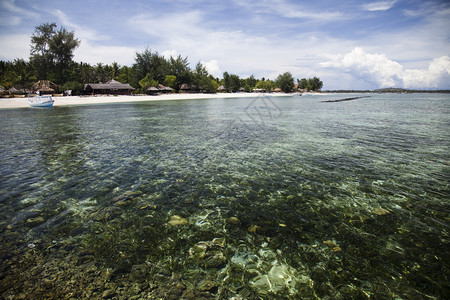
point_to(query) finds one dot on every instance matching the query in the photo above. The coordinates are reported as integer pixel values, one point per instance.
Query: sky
(348, 44)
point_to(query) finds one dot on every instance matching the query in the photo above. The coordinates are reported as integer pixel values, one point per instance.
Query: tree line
(51, 58)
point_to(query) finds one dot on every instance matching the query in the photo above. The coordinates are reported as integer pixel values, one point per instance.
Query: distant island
(388, 90)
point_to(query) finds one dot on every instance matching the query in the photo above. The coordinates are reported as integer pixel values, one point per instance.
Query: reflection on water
(232, 199)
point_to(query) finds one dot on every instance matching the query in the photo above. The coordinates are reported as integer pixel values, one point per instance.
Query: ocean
(253, 198)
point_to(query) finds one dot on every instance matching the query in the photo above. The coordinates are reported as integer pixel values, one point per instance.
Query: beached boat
(41, 101)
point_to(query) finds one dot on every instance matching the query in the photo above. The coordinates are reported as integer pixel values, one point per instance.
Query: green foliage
(75, 86)
(170, 81)
(147, 82)
(285, 82)
(311, 84)
(51, 58)
(19, 74)
(235, 83)
(41, 57)
(226, 81)
(152, 64)
(303, 84)
(267, 85)
(250, 82)
(52, 51)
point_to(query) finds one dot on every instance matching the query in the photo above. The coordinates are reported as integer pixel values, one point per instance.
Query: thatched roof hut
(153, 90)
(165, 89)
(45, 87)
(186, 88)
(221, 89)
(111, 87)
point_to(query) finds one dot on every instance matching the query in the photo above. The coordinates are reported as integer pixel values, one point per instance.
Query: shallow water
(262, 198)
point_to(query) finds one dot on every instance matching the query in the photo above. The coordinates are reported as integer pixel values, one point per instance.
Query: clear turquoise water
(313, 200)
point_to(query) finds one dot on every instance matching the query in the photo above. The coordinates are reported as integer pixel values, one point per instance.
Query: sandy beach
(104, 99)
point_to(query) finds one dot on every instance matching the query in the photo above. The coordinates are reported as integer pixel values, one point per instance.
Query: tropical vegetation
(51, 58)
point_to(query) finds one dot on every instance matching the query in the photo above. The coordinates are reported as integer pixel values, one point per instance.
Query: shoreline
(106, 99)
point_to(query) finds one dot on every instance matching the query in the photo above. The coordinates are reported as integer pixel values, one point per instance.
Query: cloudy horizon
(349, 45)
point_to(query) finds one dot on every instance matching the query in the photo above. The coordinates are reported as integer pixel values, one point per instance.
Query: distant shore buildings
(113, 87)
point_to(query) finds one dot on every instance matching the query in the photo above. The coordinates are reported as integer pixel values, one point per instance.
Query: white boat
(41, 101)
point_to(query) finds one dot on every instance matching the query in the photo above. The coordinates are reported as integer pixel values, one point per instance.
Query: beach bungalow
(165, 89)
(13, 91)
(113, 87)
(187, 88)
(221, 89)
(152, 90)
(259, 90)
(44, 87)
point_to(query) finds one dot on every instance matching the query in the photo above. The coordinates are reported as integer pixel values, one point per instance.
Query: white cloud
(88, 53)
(12, 8)
(289, 10)
(16, 46)
(380, 71)
(212, 67)
(81, 32)
(170, 53)
(379, 5)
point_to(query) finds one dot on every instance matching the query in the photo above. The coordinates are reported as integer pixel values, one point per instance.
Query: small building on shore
(221, 89)
(113, 87)
(44, 87)
(187, 88)
(165, 89)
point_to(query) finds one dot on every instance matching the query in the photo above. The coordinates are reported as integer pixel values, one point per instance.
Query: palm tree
(20, 74)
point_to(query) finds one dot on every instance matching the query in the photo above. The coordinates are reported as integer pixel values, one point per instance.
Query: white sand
(77, 100)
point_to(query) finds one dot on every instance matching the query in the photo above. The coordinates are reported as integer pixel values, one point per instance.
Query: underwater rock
(198, 251)
(208, 253)
(144, 205)
(381, 211)
(207, 285)
(333, 246)
(337, 249)
(35, 221)
(254, 229)
(280, 277)
(108, 294)
(178, 221)
(125, 199)
(219, 242)
(139, 272)
(234, 221)
(330, 244)
(215, 259)
(106, 214)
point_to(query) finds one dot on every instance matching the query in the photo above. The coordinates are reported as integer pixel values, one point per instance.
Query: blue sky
(348, 44)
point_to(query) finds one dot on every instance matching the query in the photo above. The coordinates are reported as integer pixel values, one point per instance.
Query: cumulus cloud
(170, 53)
(212, 67)
(380, 71)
